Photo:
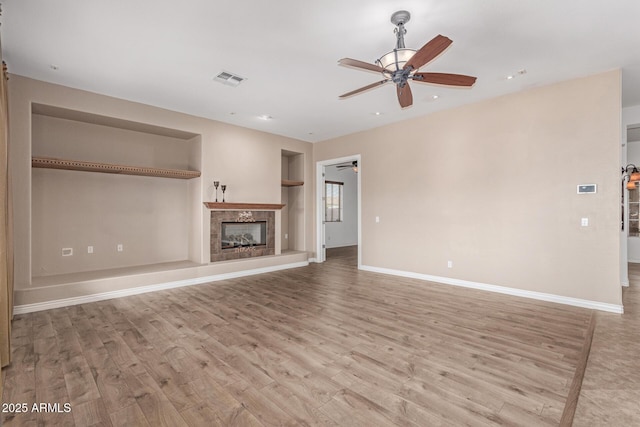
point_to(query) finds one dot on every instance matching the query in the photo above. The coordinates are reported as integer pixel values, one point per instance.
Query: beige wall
(492, 187)
(248, 161)
(80, 209)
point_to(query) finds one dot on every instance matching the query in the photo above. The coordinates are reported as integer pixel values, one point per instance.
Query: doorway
(339, 233)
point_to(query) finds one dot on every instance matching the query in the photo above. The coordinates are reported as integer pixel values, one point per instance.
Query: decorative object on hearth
(245, 216)
(402, 64)
(224, 188)
(216, 184)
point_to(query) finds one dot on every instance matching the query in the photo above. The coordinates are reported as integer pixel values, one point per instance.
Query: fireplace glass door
(243, 234)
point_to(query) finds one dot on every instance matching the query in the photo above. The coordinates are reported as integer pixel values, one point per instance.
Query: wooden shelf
(290, 183)
(79, 165)
(239, 206)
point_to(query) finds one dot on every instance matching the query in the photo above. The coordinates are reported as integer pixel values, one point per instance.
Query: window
(634, 213)
(333, 201)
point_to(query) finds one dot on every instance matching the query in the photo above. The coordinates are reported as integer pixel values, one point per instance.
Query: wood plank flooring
(610, 393)
(320, 345)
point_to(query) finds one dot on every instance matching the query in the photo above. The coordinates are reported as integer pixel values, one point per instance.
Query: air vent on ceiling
(229, 79)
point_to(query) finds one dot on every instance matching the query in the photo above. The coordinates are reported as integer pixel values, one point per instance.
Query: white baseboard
(625, 284)
(346, 245)
(594, 305)
(313, 260)
(47, 305)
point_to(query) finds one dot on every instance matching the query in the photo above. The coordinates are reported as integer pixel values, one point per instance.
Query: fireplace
(241, 234)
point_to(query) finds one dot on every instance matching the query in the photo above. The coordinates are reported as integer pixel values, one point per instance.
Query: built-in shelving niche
(292, 196)
(133, 203)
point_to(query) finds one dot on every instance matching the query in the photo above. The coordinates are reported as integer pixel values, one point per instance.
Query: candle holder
(224, 188)
(216, 184)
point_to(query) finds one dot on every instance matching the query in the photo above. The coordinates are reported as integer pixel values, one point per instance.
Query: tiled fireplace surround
(220, 216)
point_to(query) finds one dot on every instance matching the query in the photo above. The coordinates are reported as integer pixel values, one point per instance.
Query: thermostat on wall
(587, 188)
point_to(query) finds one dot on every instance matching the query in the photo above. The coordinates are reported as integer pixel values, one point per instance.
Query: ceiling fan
(353, 166)
(402, 64)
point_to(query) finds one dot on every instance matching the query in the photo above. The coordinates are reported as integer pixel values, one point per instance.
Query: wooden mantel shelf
(291, 183)
(247, 206)
(79, 165)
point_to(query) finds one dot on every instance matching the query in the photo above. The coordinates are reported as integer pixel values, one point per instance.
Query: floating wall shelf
(79, 165)
(290, 183)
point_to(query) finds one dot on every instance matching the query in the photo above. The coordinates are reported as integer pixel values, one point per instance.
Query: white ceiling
(165, 53)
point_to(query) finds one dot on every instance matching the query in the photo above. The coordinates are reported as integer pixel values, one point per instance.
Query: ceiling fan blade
(348, 62)
(405, 98)
(428, 52)
(362, 89)
(347, 165)
(445, 79)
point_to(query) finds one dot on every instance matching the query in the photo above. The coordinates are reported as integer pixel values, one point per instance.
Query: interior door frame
(321, 254)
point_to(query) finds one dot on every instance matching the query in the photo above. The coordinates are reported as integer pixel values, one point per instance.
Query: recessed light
(377, 113)
(435, 96)
(232, 113)
(520, 72)
(265, 117)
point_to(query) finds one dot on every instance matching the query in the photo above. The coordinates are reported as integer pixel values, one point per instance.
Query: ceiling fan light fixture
(396, 59)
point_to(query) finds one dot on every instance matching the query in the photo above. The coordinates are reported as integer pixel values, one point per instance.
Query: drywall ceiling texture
(492, 187)
(166, 54)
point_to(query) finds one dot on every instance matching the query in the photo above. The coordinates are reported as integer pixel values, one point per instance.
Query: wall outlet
(449, 264)
(120, 248)
(67, 251)
(584, 222)
(89, 249)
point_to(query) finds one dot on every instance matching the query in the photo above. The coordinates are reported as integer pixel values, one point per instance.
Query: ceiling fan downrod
(393, 62)
(398, 19)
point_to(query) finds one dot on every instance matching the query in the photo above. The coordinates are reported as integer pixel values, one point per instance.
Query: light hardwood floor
(611, 387)
(319, 345)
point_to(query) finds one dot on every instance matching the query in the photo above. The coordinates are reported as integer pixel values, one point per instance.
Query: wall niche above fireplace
(237, 234)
